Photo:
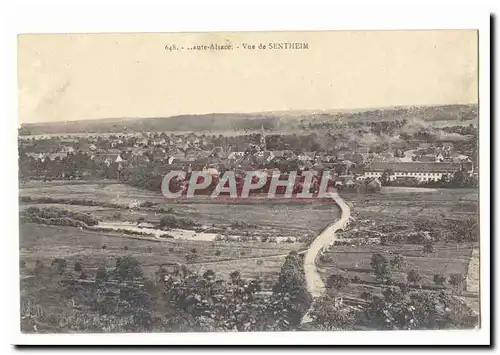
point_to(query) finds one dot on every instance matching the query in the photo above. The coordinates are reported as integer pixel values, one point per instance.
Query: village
(403, 163)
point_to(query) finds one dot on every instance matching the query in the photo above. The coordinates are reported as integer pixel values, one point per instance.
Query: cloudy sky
(69, 77)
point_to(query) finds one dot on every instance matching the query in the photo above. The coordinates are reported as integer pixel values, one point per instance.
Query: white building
(421, 171)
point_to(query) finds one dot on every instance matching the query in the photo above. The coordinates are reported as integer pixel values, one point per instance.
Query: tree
(398, 262)
(328, 315)
(456, 280)
(413, 277)
(380, 266)
(290, 292)
(385, 179)
(439, 279)
(337, 281)
(78, 267)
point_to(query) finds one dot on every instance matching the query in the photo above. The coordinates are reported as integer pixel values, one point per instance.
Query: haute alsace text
(242, 46)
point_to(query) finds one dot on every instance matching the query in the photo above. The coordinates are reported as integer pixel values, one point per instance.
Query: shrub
(191, 258)
(59, 265)
(260, 262)
(102, 274)
(398, 262)
(104, 247)
(218, 252)
(380, 266)
(456, 280)
(428, 247)
(125, 247)
(39, 267)
(128, 268)
(78, 267)
(117, 215)
(22, 264)
(413, 277)
(170, 249)
(147, 204)
(439, 279)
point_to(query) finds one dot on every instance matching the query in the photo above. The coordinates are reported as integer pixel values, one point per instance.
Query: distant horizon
(270, 112)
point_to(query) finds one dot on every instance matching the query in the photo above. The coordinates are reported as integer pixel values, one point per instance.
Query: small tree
(235, 277)
(413, 277)
(398, 262)
(22, 264)
(59, 265)
(218, 252)
(439, 279)
(337, 281)
(125, 248)
(456, 280)
(380, 266)
(104, 247)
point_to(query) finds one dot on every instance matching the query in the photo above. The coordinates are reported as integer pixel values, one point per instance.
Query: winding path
(326, 238)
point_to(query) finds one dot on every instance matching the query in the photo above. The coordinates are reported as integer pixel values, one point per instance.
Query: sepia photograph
(278, 181)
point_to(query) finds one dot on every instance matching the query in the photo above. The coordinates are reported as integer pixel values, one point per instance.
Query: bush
(128, 268)
(413, 277)
(398, 262)
(456, 280)
(439, 279)
(337, 281)
(102, 274)
(117, 215)
(78, 267)
(380, 266)
(59, 265)
(218, 252)
(191, 258)
(125, 247)
(104, 247)
(260, 262)
(147, 204)
(428, 247)
(22, 264)
(170, 249)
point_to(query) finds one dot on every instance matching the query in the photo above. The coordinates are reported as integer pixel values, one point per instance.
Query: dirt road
(326, 238)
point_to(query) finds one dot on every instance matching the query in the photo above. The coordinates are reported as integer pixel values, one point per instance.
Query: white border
(122, 16)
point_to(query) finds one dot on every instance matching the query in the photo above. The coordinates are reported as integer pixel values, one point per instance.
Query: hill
(251, 121)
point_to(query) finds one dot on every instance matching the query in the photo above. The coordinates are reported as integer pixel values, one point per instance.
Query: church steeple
(262, 138)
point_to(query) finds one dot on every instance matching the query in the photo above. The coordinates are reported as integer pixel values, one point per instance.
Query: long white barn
(422, 171)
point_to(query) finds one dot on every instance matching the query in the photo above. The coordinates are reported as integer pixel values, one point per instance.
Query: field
(45, 243)
(284, 220)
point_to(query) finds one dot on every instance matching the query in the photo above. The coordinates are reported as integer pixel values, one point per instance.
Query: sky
(88, 76)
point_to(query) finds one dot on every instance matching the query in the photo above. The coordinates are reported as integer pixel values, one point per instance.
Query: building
(421, 171)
